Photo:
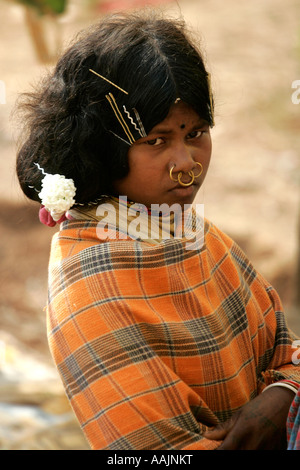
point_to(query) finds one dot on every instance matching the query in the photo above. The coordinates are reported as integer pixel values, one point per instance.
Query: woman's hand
(260, 424)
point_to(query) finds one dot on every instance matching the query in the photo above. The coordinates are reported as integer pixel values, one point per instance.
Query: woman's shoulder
(84, 233)
(221, 245)
(214, 234)
(74, 236)
(82, 237)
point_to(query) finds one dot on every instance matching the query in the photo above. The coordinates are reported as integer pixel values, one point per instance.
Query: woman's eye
(195, 134)
(156, 141)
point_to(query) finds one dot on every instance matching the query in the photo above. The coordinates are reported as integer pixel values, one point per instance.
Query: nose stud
(190, 173)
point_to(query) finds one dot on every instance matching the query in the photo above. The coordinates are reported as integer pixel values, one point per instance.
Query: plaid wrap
(155, 342)
(293, 424)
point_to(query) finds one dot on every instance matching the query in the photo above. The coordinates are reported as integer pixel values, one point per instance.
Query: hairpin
(106, 79)
(112, 101)
(123, 140)
(140, 129)
(210, 98)
(41, 169)
(143, 132)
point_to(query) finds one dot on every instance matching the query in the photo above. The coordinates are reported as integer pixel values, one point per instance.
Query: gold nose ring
(171, 174)
(190, 173)
(190, 182)
(178, 180)
(200, 171)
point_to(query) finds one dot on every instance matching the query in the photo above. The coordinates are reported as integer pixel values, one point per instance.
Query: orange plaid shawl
(155, 342)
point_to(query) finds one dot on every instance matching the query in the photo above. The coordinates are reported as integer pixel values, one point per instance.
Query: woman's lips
(179, 186)
(183, 190)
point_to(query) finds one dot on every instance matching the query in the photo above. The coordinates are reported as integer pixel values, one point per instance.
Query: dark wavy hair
(70, 125)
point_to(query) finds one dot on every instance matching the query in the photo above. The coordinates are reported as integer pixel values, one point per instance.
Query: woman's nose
(182, 157)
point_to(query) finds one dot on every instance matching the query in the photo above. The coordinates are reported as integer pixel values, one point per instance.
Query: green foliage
(44, 7)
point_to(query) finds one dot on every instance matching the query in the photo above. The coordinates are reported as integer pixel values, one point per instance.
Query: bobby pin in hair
(40, 168)
(210, 98)
(118, 114)
(142, 134)
(110, 98)
(43, 172)
(123, 140)
(106, 79)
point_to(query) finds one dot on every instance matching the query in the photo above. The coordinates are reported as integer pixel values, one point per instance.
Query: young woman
(164, 334)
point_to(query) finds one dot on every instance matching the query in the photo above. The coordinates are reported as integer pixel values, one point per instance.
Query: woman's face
(181, 139)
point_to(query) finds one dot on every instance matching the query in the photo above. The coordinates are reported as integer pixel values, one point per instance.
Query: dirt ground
(252, 191)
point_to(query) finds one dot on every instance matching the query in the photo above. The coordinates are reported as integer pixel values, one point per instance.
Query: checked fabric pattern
(155, 342)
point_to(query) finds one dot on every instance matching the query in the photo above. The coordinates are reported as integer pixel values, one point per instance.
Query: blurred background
(252, 190)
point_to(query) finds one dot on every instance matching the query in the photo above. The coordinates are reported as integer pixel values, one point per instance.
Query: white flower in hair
(57, 194)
